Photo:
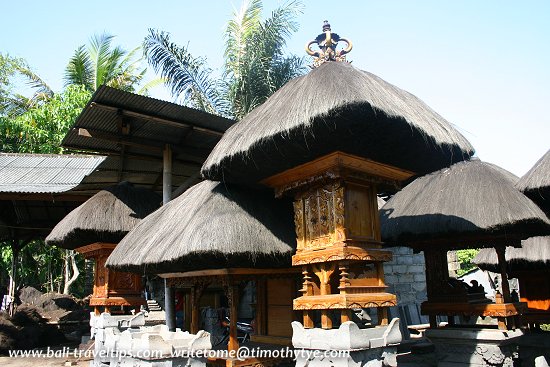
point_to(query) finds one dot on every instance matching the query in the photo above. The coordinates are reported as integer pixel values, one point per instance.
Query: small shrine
(111, 288)
(530, 263)
(224, 248)
(470, 204)
(94, 228)
(338, 235)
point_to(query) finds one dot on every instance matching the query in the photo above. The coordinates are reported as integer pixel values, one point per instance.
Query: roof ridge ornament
(327, 43)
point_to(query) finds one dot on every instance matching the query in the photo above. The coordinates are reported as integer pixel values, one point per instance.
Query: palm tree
(11, 102)
(99, 64)
(255, 66)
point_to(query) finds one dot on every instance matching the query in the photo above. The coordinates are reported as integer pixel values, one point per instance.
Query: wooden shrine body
(534, 286)
(111, 288)
(338, 234)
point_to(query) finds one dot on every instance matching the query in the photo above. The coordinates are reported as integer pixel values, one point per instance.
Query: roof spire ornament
(327, 43)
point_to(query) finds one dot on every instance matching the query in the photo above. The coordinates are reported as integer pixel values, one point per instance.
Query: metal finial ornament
(327, 43)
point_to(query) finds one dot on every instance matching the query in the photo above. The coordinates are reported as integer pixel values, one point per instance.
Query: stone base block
(456, 347)
(377, 357)
(347, 337)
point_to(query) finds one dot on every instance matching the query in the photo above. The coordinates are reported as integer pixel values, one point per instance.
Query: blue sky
(483, 65)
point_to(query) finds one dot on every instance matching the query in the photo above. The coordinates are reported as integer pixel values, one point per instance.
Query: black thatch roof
(336, 107)
(534, 254)
(536, 183)
(210, 226)
(105, 217)
(468, 204)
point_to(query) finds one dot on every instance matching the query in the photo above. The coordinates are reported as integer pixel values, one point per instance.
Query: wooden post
(260, 318)
(196, 293)
(233, 297)
(326, 321)
(194, 311)
(433, 321)
(382, 315)
(345, 316)
(501, 255)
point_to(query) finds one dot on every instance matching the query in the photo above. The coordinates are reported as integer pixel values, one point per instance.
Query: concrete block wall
(406, 276)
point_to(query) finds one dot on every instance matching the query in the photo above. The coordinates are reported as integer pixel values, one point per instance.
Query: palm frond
(187, 76)
(256, 74)
(239, 30)
(43, 92)
(144, 90)
(102, 56)
(80, 69)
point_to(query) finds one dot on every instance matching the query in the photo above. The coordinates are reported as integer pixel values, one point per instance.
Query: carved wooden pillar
(196, 293)
(231, 289)
(338, 228)
(343, 268)
(307, 290)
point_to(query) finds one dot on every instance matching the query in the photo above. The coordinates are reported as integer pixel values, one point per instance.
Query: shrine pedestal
(474, 347)
(347, 346)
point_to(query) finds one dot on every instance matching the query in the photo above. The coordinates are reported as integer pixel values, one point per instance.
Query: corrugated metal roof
(44, 173)
(156, 122)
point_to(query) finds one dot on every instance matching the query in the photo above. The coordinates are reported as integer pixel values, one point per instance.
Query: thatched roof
(210, 226)
(471, 203)
(105, 217)
(534, 254)
(536, 182)
(336, 107)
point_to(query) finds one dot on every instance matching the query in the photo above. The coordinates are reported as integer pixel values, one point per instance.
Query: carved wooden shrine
(338, 234)
(111, 288)
(451, 297)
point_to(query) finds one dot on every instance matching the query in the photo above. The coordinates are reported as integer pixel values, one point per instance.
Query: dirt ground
(49, 362)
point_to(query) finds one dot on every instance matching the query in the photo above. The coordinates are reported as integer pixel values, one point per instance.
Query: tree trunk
(13, 275)
(70, 279)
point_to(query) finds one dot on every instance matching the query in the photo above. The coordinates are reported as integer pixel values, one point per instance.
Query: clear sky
(483, 65)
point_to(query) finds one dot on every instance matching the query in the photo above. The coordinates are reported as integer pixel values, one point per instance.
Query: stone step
(153, 305)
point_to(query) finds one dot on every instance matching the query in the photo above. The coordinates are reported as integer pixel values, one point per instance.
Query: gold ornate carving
(327, 43)
(340, 252)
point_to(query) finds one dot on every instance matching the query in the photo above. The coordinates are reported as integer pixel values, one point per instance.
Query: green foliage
(9, 104)
(255, 65)
(40, 266)
(41, 128)
(13, 70)
(465, 258)
(99, 63)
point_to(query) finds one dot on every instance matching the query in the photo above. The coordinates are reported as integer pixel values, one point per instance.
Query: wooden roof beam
(159, 120)
(146, 144)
